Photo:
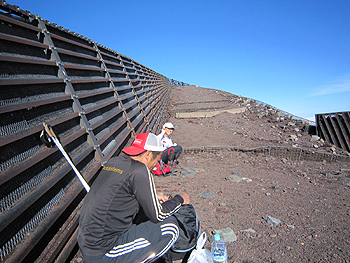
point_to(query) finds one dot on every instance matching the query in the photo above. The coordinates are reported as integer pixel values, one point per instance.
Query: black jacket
(116, 196)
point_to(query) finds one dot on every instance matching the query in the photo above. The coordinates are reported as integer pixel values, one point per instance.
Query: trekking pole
(48, 130)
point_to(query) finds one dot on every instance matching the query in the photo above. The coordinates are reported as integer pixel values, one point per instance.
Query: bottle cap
(216, 237)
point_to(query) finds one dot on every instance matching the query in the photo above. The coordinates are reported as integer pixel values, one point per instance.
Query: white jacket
(166, 141)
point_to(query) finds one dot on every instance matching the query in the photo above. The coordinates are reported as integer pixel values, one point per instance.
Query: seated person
(110, 229)
(173, 151)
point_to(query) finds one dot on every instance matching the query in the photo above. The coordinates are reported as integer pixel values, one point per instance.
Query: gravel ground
(311, 199)
(237, 189)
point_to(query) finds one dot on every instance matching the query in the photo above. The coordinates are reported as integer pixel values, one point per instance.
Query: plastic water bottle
(218, 250)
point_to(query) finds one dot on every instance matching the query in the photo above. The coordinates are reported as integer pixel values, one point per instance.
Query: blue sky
(293, 55)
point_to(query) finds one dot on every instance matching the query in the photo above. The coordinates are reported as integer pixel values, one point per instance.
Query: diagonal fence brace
(48, 136)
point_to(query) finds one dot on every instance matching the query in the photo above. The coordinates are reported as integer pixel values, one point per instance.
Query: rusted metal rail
(96, 101)
(335, 128)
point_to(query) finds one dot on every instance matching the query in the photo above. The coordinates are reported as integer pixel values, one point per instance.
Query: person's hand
(162, 198)
(186, 198)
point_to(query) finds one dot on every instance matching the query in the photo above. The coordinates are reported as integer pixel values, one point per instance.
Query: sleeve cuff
(179, 197)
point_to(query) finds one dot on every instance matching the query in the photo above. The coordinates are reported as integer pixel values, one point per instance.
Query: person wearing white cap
(123, 219)
(173, 151)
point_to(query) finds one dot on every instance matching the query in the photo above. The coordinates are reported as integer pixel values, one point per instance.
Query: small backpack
(189, 229)
(161, 169)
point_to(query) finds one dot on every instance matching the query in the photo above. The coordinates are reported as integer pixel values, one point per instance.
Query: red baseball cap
(144, 142)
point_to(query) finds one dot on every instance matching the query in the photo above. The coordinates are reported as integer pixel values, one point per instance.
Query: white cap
(168, 125)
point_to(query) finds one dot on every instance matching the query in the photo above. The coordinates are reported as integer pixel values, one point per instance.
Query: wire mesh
(11, 244)
(295, 154)
(19, 192)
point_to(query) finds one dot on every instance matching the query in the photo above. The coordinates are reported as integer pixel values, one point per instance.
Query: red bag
(161, 169)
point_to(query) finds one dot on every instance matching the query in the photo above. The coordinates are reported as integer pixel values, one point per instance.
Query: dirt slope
(311, 199)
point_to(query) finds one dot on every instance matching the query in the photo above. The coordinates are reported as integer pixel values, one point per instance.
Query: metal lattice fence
(335, 128)
(96, 101)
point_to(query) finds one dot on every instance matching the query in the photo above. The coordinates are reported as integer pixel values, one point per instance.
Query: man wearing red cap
(110, 229)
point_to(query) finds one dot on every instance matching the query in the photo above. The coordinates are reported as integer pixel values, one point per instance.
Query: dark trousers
(145, 242)
(171, 154)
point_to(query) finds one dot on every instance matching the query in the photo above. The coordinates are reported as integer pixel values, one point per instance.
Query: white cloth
(166, 141)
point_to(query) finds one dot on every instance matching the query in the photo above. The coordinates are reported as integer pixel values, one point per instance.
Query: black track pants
(171, 154)
(145, 242)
